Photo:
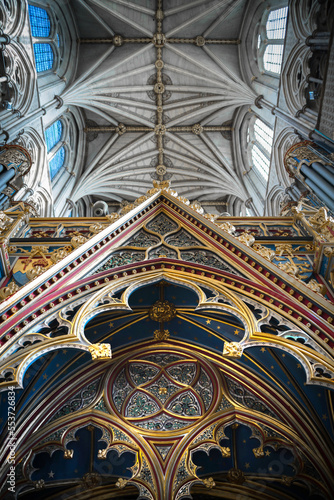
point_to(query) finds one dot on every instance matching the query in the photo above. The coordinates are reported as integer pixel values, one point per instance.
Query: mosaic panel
(164, 423)
(204, 388)
(162, 389)
(184, 373)
(162, 359)
(140, 373)
(142, 239)
(121, 390)
(182, 239)
(186, 404)
(162, 225)
(207, 259)
(140, 405)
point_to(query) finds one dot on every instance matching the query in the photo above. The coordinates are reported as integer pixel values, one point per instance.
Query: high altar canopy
(164, 352)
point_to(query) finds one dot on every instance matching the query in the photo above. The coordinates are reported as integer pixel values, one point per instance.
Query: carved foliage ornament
(232, 350)
(162, 310)
(100, 351)
(17, 157)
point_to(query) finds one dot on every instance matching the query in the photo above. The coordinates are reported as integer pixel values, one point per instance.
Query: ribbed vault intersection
(159, 98)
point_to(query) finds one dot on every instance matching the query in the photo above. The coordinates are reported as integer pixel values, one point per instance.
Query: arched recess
(33, 142)
(294, 82)
(21, 72)
(211, 297)
(274, 201)
(283, 141)
(88, 397)
(303, 17)
(73, 141)
(250, 52)
(12, 17)
(63, 42)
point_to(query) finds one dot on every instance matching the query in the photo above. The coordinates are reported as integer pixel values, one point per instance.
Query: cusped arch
(21, 72)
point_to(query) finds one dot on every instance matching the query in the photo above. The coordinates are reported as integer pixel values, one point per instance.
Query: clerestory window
(46, 39)
(270, 41)
(55, 147)
(261, 139)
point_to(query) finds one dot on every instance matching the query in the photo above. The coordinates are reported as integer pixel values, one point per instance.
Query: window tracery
(55, 147)
(260, 139)
(46, 38)
(270, 40)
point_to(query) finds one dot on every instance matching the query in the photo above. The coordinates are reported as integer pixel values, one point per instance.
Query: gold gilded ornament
(225, 451)
(227, 226)
(265, 252)
(113, 217)
(246, 239)
(8, 290)
(68, 454)
(121, 483)
(100, 351)
(77, 241)
(209, 483)
(96, 228)
(162, 310)
(102, 454)
(60, 253)
(39, 484)
(34, 272)
(161, 335)
(258, 452)
(232, 350)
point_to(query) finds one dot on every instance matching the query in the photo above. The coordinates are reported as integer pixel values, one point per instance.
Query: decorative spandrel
(142, 239)
(162, 359)
(182, 239)
(162, 225)
(207, 259)
(121, 259)
(162, 251)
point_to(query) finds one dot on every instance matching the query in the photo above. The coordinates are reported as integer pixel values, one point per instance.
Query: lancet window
(55, 147)
(260, 139)
(270, 41)
(46, 39)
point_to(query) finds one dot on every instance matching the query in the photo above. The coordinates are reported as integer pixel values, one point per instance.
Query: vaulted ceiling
(163, 80)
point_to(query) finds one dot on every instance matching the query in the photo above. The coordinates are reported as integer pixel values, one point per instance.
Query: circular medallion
(161, 169)
(200, 41)
(159, 88)
(163, 391)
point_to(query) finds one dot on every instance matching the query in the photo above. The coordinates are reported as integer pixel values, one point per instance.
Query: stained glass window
(272, 58)
(39, 22)
(260, 162)
(53, 134)
(276, 23)
(43, 56)
(57, 162)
